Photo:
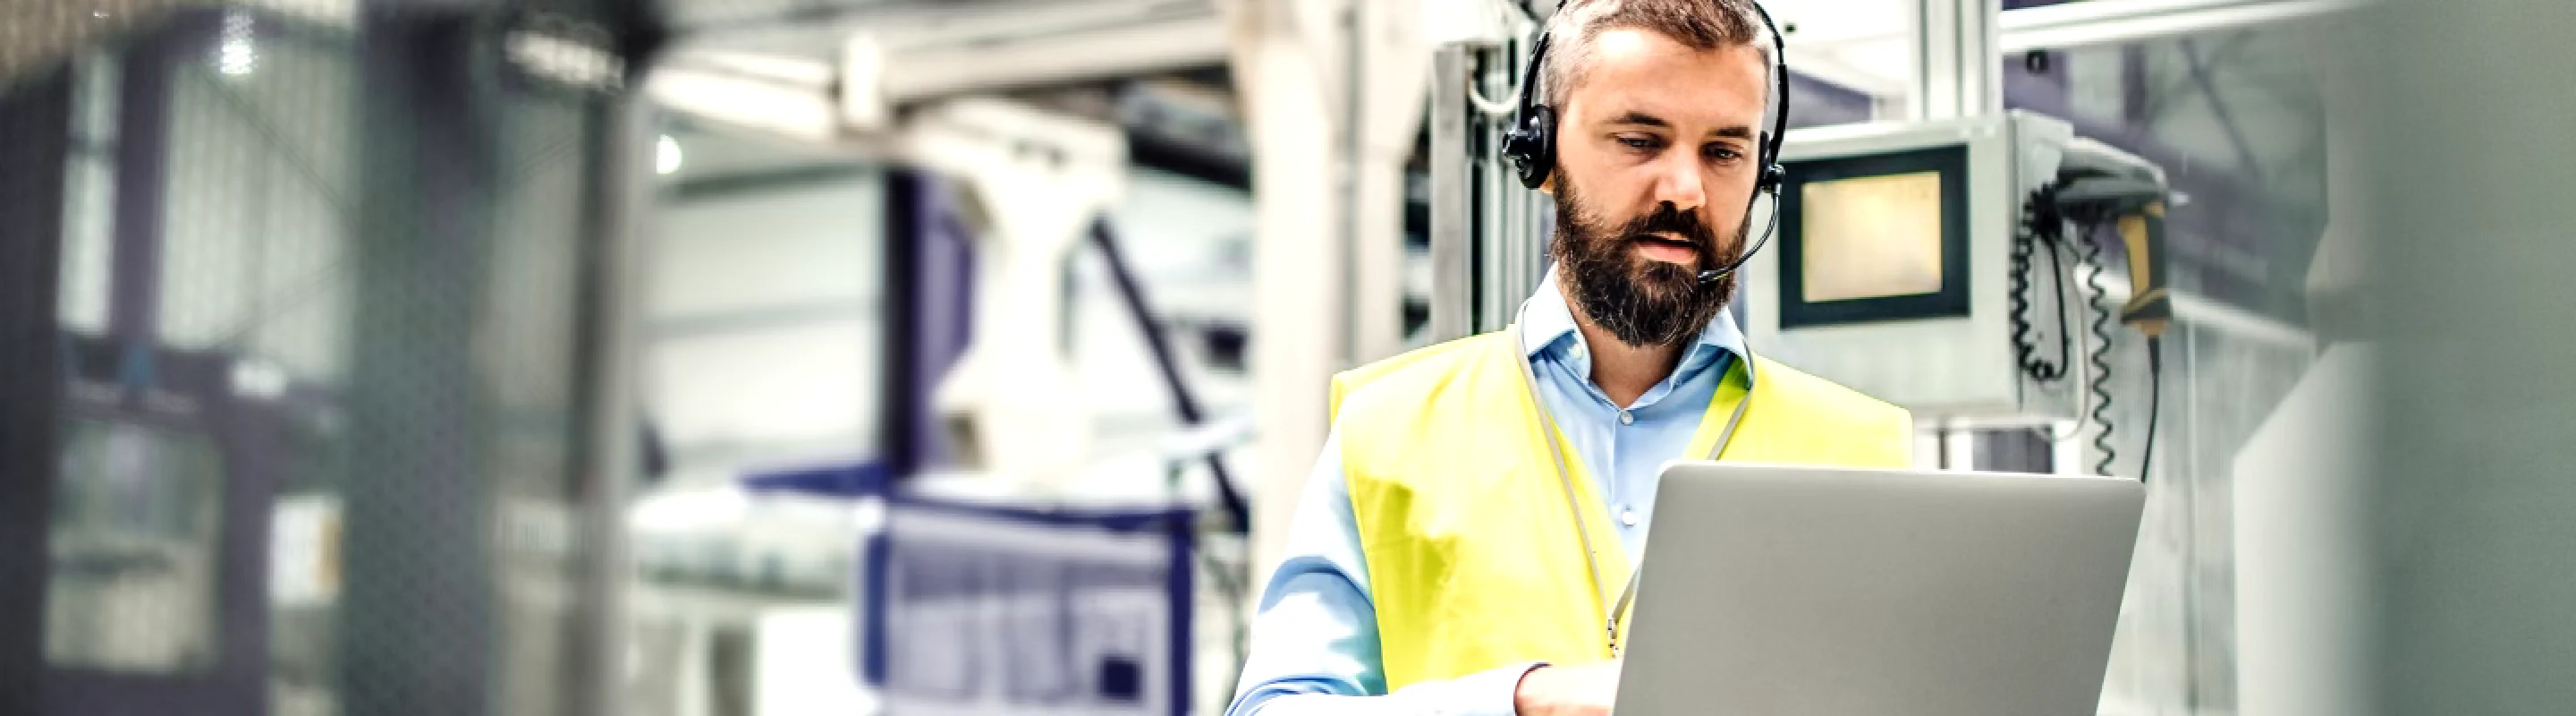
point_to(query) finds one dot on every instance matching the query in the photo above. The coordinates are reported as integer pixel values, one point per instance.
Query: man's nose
(1679, 182)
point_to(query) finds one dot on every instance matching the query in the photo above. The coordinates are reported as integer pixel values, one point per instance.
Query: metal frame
(187, 392)
(141, 382)
(1957, 72)
(1945, 33)
(921, 254)
(609, 459)
(2103, 22)
(1488, 234)
(1453, 129)
(37, 113)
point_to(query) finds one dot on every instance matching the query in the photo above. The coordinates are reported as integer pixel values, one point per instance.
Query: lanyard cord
(1573, 504)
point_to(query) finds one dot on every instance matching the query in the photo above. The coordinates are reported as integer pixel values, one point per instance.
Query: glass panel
(2236, 118)
(1851, 60)
(326, 425)
(135, 531)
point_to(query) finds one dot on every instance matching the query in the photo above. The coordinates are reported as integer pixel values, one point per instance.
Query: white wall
(763, 335)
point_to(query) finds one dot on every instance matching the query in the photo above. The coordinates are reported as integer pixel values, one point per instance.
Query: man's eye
(1639, 142)
(1722, 152)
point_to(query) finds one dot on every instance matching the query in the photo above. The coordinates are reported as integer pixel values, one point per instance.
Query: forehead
(1635, 70)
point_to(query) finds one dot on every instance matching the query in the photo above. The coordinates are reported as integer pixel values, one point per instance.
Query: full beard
(1642, 302)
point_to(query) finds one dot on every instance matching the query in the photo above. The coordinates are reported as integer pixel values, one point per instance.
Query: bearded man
(1463, 543)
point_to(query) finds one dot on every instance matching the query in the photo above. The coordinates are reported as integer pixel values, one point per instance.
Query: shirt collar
(1548, 323)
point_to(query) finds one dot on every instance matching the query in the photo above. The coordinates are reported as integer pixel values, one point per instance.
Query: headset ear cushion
(1532, 145)
(1518, 146)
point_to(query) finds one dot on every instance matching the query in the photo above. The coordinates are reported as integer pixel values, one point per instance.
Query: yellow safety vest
(1472, 557)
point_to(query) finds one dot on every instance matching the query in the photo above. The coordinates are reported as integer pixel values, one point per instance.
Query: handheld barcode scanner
(2150, 306)
(2098, 184)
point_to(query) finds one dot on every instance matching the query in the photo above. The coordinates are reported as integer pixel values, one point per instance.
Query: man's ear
(1548, 185)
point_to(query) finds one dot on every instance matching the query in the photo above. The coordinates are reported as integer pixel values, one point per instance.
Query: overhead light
(236, 56)
(666, 155)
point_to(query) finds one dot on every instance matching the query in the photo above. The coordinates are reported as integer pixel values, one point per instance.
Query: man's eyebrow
(1641, 119)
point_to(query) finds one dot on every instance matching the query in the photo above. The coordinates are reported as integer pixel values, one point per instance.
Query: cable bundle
(2044, 227)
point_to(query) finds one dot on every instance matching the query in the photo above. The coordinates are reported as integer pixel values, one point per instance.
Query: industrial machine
(1950, 267)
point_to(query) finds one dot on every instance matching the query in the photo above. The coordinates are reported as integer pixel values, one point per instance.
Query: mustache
(1668, 218)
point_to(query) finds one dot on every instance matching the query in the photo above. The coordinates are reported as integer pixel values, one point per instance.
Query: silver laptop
(1773, 591)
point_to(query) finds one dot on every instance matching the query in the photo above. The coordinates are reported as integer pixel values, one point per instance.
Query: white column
(1329, 141)
(1297, 320)
(1394, 77)
(1957, 70)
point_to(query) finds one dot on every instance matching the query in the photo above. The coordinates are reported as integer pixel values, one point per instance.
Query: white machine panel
(1877, 305)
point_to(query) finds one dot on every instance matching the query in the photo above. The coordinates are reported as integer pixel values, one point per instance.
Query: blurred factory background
(764, 357)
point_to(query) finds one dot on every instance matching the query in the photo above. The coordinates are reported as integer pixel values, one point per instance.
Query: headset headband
(1531, 143)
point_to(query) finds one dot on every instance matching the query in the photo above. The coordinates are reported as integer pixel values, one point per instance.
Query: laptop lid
(1796, 590)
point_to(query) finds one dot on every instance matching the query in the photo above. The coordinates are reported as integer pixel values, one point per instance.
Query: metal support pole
(35, 113)
(1452, 189)
(1488, 234)
(616, 186)
(1522, 228)
(904, 423)
(930, 290)
(142, 162)
(418, 614)
(1132, 292)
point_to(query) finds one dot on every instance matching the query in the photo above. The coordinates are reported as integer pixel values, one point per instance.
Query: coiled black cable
(2101, 353)
(2040, 226)
(2047, 226)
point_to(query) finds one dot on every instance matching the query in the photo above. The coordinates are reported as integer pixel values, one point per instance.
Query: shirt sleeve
(1314, 648)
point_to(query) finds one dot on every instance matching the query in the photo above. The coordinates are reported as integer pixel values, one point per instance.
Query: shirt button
(1626, 418)
(1628, 517)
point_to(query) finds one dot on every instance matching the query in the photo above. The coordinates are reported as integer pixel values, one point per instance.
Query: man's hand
(1585, 690)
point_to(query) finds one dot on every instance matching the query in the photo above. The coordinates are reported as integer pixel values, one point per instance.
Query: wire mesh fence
(311, 390)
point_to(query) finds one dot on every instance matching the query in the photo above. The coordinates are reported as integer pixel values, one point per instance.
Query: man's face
(1656, 146)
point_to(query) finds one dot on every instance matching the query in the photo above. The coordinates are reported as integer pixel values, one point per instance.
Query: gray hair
(1697, 24)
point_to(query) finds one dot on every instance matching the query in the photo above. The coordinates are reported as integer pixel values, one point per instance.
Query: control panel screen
(1872, 237)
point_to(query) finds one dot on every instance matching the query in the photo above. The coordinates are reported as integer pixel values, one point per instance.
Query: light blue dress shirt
(1315, 642)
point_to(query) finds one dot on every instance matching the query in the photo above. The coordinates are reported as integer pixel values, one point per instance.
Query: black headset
(1531, 143)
